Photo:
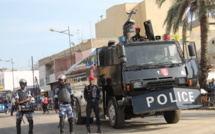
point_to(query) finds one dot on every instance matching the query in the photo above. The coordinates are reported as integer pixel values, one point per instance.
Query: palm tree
(180, 12)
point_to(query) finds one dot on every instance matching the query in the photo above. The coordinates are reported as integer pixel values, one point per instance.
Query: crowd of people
(211, 86)
(44, 103)
(208, 99)
(25, 102)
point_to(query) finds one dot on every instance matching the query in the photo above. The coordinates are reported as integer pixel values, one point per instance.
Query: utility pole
(12, 72)
(32, 70)
(70, 44)
(68, 33)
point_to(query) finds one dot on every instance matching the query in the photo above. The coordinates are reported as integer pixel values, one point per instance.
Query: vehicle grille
(160, 84)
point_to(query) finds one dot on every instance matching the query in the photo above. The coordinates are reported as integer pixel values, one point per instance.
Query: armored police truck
(139, 79)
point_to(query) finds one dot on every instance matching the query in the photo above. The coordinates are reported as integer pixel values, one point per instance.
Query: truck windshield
(152, 54)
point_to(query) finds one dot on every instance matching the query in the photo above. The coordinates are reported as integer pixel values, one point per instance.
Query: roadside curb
(206, 108)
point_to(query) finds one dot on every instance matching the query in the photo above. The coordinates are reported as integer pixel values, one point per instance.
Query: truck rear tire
(116, 115)
(172, 116)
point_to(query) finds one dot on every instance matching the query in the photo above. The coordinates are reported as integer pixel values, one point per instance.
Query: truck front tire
(172, 116)
(115, 114)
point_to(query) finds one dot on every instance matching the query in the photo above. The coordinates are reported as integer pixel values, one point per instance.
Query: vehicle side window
(102, 57)
(91, 60)
(108, 56)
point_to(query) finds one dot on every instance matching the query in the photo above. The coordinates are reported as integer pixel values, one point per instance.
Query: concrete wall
(42, 79)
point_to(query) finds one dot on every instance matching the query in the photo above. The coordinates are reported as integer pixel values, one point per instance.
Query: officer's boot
(99, 129)
(18, 126)
(88, 130)
(61, 125)
(31, 125)
(71, 125)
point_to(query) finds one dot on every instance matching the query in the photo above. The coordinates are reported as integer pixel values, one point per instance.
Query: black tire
(77, 114)
(172, 116)
(116, 116)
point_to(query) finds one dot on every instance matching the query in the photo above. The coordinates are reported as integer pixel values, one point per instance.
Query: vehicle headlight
(137, 84)
(181, 80)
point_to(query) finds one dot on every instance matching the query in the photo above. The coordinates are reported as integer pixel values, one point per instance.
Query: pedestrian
(23, 97)
(33, 101)
(212, 82)
(63, 98)
(92, 96)
(51, 103)
(5, 101)
(45, 104)
(13, 102)
(41, 102)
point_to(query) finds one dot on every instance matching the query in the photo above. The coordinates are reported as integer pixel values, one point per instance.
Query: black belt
(93, 99)
(65, 102)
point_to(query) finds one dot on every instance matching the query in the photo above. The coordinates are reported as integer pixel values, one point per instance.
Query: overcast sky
(25, 24)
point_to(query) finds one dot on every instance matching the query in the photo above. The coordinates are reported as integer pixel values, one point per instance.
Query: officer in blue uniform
(63, 99)
(92, 96)
(22, 97)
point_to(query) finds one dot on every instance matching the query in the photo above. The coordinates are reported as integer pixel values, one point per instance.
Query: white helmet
(62, 77)
(22, 81)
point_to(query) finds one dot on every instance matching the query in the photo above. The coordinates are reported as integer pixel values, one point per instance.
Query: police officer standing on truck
(64, 97)
(92, 96)
(137, 36)
(22, 97)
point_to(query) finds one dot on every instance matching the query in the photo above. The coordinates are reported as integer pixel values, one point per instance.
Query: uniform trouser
(95, 106)
(12, 109)
(45, 108)
(19, 117)
(65, 110)
(6, 108)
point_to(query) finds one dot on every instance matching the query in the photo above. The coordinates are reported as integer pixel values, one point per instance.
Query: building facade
(112, 25)
(10, 79)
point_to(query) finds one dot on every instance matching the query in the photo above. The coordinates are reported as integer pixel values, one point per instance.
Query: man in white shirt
(13, 101)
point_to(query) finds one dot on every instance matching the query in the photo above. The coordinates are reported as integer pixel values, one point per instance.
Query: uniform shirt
(91, 92)
(23, 90)
(13, 101)
(137, 37)
(58, 89)
(32, 100)
(42, 99)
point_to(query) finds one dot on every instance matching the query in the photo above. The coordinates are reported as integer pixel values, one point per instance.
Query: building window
(213, 42)
(42, 82)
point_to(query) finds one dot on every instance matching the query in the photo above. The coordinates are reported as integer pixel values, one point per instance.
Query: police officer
(137, 36)
(63, 97)
(92, 96)
(22, 97)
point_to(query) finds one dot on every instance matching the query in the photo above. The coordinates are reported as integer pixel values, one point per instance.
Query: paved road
(192, 122)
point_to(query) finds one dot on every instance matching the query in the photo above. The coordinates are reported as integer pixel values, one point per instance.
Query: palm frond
(192, 12)
(210, 9)
(160, 2)
(170, 17)
(175, 15)
(183, 5)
